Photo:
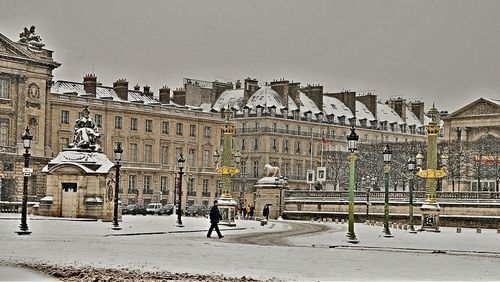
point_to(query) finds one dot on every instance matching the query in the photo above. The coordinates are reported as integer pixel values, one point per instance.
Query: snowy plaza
(280, 250)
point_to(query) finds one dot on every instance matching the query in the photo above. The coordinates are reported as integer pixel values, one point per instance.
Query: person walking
(252, 209)
(244, 210)
(214, 220)
(265, 212)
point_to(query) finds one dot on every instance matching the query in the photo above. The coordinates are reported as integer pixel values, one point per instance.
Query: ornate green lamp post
(26, 137)
(118, 158)
(352, 140)
(411, 169)
(387, 169)
(180, 165)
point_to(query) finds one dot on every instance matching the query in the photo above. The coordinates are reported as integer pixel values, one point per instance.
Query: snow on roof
(333, 106)
(387, 114)
(307, 105)
(103, 92)
(90, 162)
(229, 99)
(265, 97)
(494, 101)
(362, 112)
(411, 119)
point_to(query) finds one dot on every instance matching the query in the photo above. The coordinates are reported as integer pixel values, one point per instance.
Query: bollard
(498, 230)
(342, 221)
(367, 222)
(329, 220)
(405, 227)
(459, 230)
(337, 220)
(400, 226)
(478, 230)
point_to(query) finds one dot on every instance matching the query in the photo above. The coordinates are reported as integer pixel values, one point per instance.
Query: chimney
(90, 84)
(370, 101)
(348, 98)
(148, 93)
(417, 108)
(179, 97)
(237, 85)
(281, 87)
(165, 95)
(137, 87)
(251, 86)
(315, 93)
(399, 106)
(121, 88)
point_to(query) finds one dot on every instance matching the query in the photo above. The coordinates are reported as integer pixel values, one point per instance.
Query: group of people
(247, 212)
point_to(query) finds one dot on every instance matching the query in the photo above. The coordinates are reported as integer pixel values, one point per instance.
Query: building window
(243, 167)
(191, 157)
(256, 144)
(132, 183)
(274, 145)
(207, 132)
(286, 169)
(178, 152)
(257, 125)
(133, 152)
(148, 153)
(149, 125)
(98, 120)
(298, 171)
(147, 184)
(297, 147)
(256, 169)
(4, 132)
(178, 129)
(118, 122)
(190, 185)
(133, 124)
(243, 144)
(164, 184)
(244, 127)
(192, 130)
(164, 127)
(285, 146)
(164, 155)
(64, 143)
(4, 87)
(205, 186)
(275, 127)
(64, 117)
(206, 158)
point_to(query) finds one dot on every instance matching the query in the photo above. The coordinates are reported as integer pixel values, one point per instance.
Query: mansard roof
(103, 92)
(387, 114)
(232, 99)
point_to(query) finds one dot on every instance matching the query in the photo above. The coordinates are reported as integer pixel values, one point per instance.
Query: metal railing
(379, 195)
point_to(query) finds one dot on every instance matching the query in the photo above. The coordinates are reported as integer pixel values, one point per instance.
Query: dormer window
(341, 119)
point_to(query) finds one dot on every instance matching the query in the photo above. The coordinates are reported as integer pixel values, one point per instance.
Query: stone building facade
(25, 81)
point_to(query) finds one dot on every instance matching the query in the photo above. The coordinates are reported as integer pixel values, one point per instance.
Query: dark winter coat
(265, 212)
(215, 215)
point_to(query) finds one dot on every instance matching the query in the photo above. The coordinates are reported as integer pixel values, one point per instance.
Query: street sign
(310, 176)
(27, 171)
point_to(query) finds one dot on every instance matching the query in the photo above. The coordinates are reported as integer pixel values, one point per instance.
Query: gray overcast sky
(447, 52)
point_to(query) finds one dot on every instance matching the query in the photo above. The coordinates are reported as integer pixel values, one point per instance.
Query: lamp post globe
(352, 140)
(118, 157)
(26, 137)
(387, 168)
(180, 165)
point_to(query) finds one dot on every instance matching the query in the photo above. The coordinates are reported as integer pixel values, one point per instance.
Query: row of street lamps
(413, 164)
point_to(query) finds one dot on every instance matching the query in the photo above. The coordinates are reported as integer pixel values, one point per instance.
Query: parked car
(197, 210)
(153, 208)
(134, 209)
(167, 209)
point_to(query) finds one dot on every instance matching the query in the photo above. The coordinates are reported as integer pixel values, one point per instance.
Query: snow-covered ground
(307, 257)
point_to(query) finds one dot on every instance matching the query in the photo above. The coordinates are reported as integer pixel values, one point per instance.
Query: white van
(153, 208)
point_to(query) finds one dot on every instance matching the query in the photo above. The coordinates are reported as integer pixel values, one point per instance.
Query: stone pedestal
(267, 193)
(430, 217)
(227, 207)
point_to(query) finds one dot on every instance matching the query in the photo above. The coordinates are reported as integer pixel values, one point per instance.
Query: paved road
(280, 238)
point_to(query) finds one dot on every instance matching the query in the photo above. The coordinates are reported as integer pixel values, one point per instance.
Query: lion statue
(272, 171)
